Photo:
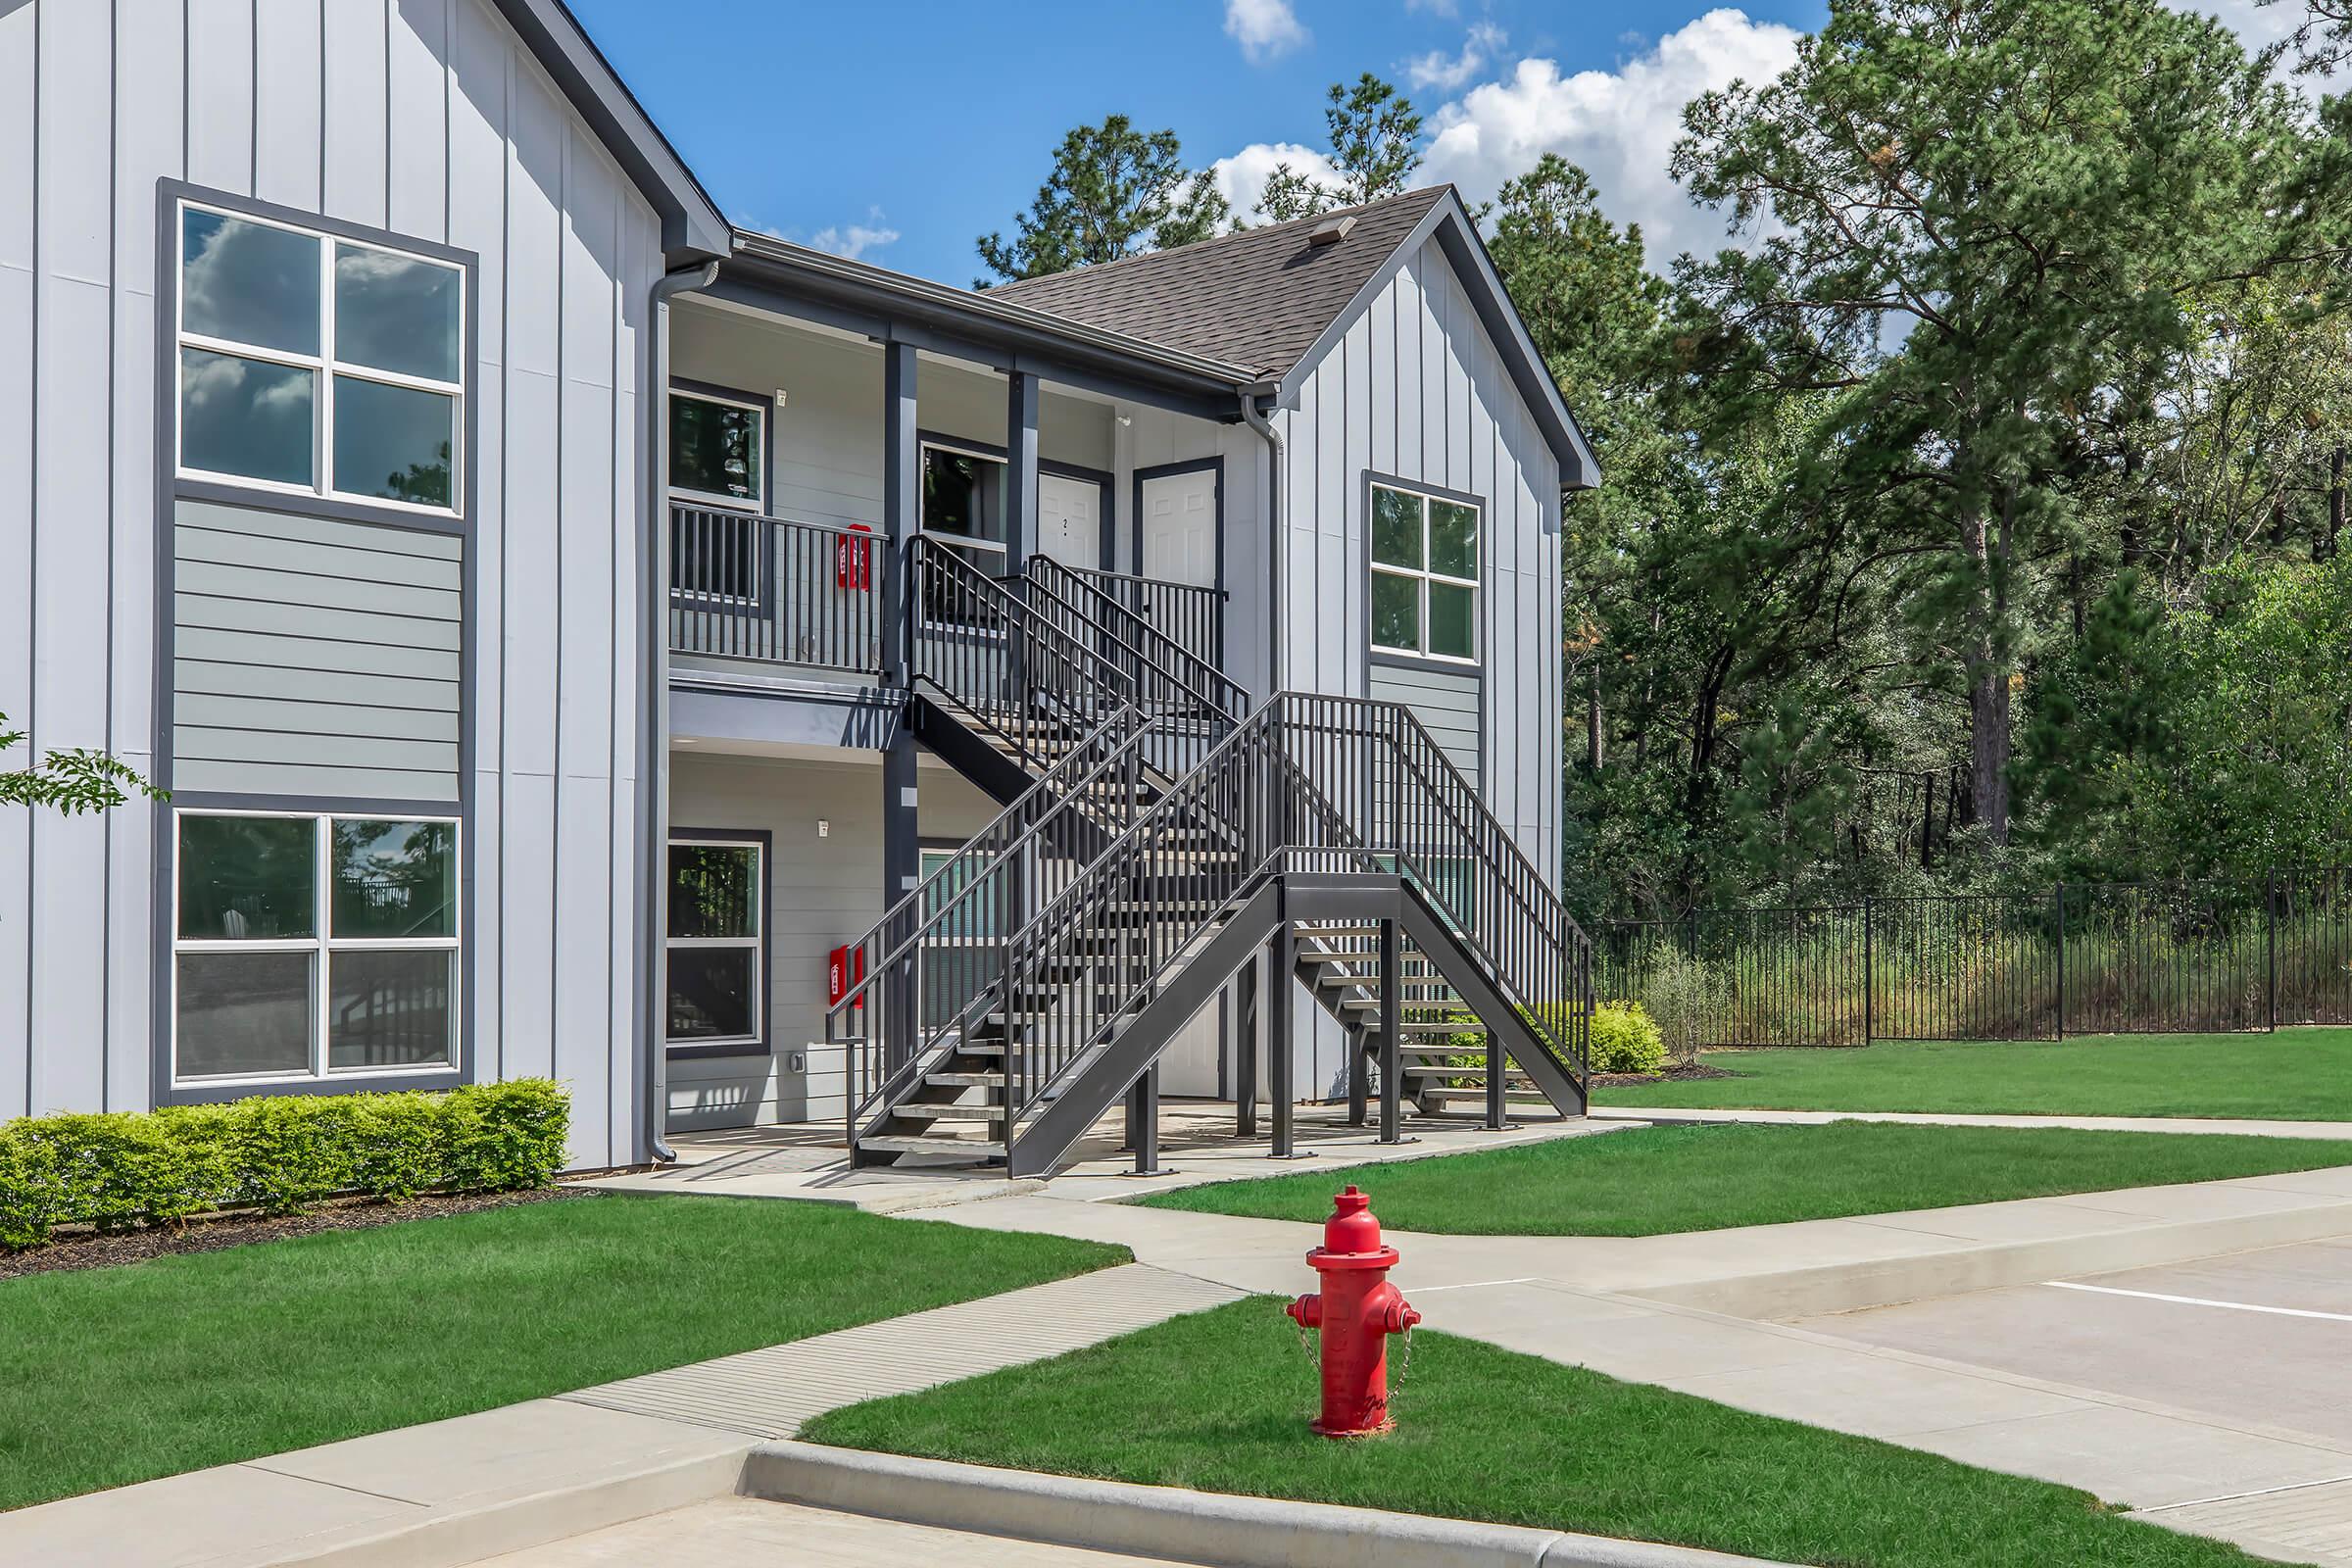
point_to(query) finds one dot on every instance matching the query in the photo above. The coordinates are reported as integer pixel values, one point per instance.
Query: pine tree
(1114, 190)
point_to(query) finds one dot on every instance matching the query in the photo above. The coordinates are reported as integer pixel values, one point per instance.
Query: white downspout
(1257, 420)
(653, 741)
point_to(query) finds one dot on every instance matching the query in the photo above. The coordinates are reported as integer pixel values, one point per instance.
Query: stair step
(915, 1144)
(919, 1110)
(964, 1080)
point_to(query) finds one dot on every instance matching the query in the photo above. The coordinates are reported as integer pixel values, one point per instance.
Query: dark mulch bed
(212, 1233)
(1677, 1074)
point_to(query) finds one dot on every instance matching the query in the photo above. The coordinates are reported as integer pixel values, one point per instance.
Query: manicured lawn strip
(1218, 1401)
(2294, 1075)
(1653, 1181)
(125, 1374)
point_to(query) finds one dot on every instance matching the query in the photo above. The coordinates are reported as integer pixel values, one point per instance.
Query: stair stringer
(1505, 1028)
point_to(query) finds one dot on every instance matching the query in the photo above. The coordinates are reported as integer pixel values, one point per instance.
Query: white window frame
(757, 506)
(966, 540)
(1422, 576)
(321, 944)
(756, 942)
(323, 366)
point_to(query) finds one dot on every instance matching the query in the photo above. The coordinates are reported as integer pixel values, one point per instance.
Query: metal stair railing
(907, 966)
(1307, 782)
(1171, 674)
(1018, 661)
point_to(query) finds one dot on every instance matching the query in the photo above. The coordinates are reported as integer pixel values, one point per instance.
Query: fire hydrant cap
(1351, 1236)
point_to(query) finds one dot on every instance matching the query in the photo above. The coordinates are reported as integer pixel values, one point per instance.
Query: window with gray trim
(310, 947)
(717, 941)
(315, 362)
(1424, 574)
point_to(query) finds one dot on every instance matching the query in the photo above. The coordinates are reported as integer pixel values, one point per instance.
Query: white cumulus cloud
(1264, 28)
(1448, 72)
(1619, 127)
(2263, 26)
(853, 240)
(1242, 177)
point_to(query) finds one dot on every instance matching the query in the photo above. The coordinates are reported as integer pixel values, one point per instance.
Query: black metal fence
(2078, 958)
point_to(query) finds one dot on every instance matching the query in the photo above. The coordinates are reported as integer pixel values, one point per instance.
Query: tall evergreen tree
(1980, 225)
(1114, 190)
(1375, 138)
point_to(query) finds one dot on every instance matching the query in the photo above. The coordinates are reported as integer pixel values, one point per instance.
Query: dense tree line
(1978, 512)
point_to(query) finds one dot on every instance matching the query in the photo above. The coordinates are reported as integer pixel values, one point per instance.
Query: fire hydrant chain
(1356, 1312)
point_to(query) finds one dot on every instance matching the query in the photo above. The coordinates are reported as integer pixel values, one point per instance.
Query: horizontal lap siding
(312, 657)
(1445, 701)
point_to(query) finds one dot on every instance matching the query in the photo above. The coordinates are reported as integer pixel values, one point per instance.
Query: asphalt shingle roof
(1258, 298)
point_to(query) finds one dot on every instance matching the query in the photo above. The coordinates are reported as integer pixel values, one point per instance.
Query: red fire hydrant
(1357, 1311)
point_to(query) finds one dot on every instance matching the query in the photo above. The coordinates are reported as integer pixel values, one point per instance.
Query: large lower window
(717, 941)
(314, 363)
(1424, 574)
(313, 947)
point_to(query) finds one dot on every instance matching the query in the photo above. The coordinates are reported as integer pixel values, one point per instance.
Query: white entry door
(1069, 519)
(1180, 527)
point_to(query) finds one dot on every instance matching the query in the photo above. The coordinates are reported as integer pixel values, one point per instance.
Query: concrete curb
(1995, 1265)
(1204, 1527)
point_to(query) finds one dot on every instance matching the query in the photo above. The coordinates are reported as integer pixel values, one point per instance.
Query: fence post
(1869, 977)
(2269, 910)
(2062, 957)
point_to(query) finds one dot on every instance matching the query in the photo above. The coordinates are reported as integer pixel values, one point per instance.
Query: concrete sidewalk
(2241, 1127)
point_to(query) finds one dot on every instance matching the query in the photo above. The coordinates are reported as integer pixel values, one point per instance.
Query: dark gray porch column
(902, 520)
(1020, 469)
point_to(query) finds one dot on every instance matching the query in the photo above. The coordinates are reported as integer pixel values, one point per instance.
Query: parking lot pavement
(2254, 1343)
(2257, 1337)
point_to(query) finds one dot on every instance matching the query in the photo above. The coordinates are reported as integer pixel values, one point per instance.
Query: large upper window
(313, 947)
(1424, 574)
(717, 941)
(964, 508)
(718, 489)
(313, 363)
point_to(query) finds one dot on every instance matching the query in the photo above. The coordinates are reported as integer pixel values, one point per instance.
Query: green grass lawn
(116, 1375)
(1219, 1400)
(2295, 1075)
(1651, 1181)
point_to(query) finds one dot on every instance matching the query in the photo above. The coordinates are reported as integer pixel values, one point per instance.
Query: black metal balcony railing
(791, 593)
(1191, 616)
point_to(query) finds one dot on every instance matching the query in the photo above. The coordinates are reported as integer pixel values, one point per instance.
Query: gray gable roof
(1259, 298)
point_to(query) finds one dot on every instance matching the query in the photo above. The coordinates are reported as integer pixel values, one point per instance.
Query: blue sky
(899, 130)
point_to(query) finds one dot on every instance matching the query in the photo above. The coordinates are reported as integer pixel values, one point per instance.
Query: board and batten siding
(314, 656)
(431, 119)
(1414, 389)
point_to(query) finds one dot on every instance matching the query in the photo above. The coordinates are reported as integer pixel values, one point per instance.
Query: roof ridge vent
(1331, 230)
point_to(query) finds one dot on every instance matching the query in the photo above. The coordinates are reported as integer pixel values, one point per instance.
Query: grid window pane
(248, 282)
(1453, 539)
(394, 879)
(389, 1009)
(397, 312)
(1395, 528)
(394, 442)
(246, 418)
(711, 991)
(1450, 628)
(243, 1012)
(714, 448)
(714, 889)
(248, 878)
(1395, 611)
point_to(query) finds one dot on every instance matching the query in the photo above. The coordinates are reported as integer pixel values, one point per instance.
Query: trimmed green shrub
(1624, 1039)
(280, 1154)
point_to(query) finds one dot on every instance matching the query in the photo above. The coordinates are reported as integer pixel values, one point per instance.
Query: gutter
(1257, 420)
(653, 728)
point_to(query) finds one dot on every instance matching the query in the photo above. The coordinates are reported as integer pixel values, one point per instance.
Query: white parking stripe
(2199, 1301)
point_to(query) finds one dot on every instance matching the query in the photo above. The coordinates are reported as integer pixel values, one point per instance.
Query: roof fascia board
(692, 227)
(1448, 222)
(1027, 353)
